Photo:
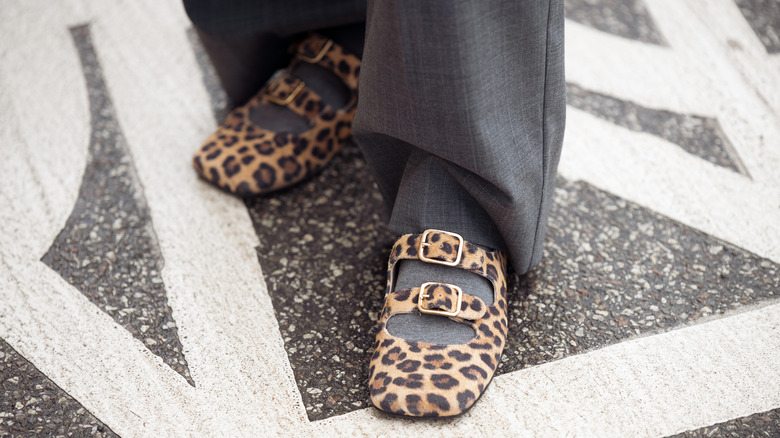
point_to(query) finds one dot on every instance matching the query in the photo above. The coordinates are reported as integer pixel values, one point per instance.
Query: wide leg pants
(461, 112)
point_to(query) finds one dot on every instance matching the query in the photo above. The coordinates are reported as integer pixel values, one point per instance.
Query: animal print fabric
(249, 160)
(433, 380)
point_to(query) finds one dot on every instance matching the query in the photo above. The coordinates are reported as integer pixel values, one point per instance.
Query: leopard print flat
(248, 160)
(431, 380)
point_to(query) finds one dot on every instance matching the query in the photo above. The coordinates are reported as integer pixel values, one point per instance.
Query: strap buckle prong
(424, 294)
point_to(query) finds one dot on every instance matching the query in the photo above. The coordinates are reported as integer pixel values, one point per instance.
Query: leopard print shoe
(432, 380)
(248, 160)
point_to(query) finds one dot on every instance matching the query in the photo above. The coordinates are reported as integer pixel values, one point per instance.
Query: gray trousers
(461, 113)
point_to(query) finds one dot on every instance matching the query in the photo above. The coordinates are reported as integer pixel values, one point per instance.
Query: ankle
(413, 273)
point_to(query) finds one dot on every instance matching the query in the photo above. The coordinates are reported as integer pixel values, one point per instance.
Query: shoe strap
(439, 298)
(290, 91)
(324, 52)
(442, 247)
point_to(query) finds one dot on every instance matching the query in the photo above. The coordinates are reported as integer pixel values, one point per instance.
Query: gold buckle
(316, 58)
(424, 294)
(423, 243)
(286, 100)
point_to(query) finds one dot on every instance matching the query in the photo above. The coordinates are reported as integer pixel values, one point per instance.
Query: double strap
(438, 298)
(289, 91)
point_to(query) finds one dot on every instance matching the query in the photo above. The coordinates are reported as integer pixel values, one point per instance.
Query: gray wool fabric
(462, 104)
(228, 18)
(461, 117)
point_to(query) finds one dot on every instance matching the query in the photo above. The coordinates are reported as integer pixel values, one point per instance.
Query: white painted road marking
(685, 379)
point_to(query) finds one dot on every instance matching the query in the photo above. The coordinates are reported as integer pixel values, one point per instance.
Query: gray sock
(433, 328)
(322, 81)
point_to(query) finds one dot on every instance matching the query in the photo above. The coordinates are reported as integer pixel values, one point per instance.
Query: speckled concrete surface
(626, 18)
(324, 249)
(635, 272)
(764, 424)
(108, 249)
(611, 270)
(31, 404)
(700, 136)
(620, 284)
(764, 17)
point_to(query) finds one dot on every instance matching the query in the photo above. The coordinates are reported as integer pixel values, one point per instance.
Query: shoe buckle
(316, 58)
(424, 243)
(282, 93)
(424, 293)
